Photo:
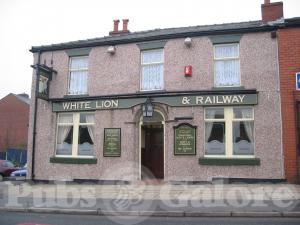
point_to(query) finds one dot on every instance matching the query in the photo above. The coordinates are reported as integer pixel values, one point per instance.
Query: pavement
(161, 199)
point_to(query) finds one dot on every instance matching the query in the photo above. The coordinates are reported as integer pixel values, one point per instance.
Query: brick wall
(14, 116)
(289, 61)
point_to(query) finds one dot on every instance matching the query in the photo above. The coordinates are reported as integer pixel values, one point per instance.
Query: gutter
(35, 116)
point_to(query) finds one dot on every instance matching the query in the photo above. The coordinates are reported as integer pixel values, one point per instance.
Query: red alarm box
(188, 71)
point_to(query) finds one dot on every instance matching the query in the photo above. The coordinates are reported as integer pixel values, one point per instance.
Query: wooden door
(153, 154)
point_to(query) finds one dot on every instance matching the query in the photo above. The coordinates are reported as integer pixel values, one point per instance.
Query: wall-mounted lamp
(111, 50)
(188, 42)
(148, 108)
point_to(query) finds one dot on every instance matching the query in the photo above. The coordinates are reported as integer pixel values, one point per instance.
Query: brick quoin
(289, 63)
(14, 118)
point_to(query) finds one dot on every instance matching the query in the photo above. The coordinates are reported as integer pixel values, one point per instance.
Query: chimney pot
(267, 1)
(125, 25)
(116, 25)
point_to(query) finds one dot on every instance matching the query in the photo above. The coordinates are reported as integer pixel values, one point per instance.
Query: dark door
(153, 154)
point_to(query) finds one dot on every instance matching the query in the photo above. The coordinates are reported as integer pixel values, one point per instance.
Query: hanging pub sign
(185, 139)
(112, 142)
(44, 76)
(43, 88)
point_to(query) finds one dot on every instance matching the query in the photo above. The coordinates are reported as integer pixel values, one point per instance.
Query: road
(13, 218)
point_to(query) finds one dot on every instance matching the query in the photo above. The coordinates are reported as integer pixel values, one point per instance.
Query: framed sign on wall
(298, 81)
(112, 142)
(185, 139)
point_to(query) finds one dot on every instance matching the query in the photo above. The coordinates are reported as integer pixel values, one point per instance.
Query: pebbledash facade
(188, 104)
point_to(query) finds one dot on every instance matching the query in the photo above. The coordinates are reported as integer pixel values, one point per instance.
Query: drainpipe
(35, 114)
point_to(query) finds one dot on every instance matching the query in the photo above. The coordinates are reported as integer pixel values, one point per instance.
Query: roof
(162, 34)
(23, 99)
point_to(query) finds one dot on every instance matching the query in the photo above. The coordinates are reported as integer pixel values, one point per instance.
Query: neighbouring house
(14, 119)
(289, 64)
(187, 104)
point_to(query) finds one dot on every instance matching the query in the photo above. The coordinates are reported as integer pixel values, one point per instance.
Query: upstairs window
(227, 65)
(78, 75)
(152, 70)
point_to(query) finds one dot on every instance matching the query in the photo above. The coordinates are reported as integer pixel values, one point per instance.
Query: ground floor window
(229, 131)
(75, 134)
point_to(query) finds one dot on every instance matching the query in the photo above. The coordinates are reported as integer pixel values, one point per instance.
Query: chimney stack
(116, 30)
(271, 11)
(116, 25)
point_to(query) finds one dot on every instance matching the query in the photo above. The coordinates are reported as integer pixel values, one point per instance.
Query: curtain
(152, 77)
(223, 51)
(90, 119)
(78, 82)
(63, 132)
(249, 129)
(248, 125)
(78, 75)
(227, 71)
(210, 113)
(152, 70)
(79, 63)
(152, 56)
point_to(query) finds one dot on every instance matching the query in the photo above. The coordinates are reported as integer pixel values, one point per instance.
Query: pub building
(188, 104)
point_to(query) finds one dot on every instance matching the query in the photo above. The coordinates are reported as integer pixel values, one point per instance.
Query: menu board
(112, 142)
(185, 139)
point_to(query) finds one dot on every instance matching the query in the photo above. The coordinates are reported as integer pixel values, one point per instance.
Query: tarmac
(161, 199)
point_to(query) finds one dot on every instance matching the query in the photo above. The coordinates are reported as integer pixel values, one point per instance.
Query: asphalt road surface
(14, 218)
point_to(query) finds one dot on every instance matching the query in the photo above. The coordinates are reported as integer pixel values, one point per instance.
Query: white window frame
(76, 70)
(226, 59)
(152, 63)
(229, 119)
(76, 123)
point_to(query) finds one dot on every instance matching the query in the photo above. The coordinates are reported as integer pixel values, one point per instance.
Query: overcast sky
(26, 23)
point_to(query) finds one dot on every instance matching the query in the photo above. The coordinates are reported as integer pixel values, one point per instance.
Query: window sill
(75, 96)
(151, 91)
(225, 88)
(69, 160)
(230, 161)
